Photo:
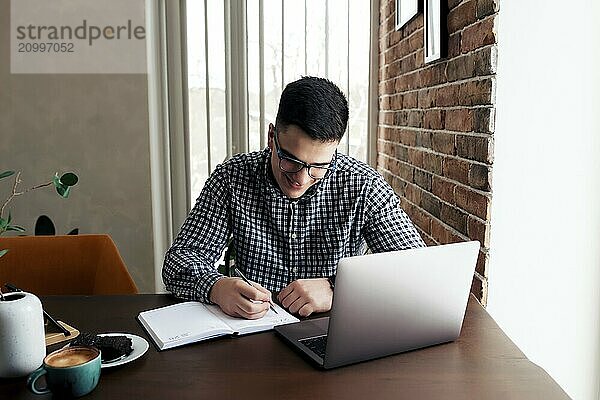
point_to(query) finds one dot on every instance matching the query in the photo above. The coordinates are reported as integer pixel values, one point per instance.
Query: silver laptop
(388, 303)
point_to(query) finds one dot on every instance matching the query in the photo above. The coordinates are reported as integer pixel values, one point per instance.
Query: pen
(65, 331)
(239, 273)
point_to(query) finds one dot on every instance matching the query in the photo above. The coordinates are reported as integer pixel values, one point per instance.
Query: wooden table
(482, 364)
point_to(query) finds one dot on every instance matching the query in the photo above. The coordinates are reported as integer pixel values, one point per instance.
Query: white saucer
(139, 344)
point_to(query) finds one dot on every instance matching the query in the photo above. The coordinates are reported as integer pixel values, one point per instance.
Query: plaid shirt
(278, 239)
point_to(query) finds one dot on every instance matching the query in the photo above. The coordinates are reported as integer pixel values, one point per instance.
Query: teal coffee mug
(70, 372)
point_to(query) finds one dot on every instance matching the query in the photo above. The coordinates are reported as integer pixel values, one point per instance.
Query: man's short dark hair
(315, 105)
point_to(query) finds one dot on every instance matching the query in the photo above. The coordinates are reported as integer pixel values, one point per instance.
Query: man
(294, 210)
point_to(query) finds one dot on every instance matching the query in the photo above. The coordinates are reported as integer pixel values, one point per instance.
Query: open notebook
(190, 322)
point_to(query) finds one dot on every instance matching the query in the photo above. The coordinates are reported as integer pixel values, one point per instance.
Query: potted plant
(22, 339)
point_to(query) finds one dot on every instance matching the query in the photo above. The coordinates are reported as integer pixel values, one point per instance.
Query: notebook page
(243, 326)
(183, 323)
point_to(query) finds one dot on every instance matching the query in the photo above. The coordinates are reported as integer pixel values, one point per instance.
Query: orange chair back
(65, 265)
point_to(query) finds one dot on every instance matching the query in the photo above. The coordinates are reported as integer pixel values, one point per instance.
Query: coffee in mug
(70, 372)
(70, 357)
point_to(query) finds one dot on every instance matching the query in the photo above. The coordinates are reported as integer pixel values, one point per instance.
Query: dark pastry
(111, 347)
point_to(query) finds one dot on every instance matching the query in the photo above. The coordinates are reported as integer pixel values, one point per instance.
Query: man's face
(296, 144)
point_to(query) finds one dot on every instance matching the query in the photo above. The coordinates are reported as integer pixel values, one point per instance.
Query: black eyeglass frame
(302, 164)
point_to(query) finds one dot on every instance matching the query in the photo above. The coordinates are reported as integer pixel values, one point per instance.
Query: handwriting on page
(178, 337)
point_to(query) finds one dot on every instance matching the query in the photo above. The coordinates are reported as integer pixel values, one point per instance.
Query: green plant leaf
(3, 224)
(3, 252)
(16, 228)
(6, 174)
(69, 179)
(56, 180)
(63, 190)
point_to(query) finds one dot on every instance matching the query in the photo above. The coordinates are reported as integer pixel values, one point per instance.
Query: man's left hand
(306, 296)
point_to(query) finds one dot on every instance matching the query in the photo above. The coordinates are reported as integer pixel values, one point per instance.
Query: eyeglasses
(292, 165)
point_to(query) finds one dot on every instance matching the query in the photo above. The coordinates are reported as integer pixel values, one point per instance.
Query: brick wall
(436, 124)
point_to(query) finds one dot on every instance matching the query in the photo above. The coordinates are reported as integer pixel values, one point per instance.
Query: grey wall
(95, 125)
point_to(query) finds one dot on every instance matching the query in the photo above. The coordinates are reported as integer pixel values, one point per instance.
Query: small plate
(139, 344)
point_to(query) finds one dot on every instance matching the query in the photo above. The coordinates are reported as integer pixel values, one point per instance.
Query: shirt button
(293, 236)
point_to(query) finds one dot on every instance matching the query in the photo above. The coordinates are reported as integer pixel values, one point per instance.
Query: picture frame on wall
(405, 11)
(435, 30)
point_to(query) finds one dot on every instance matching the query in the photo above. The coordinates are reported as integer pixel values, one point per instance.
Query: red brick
(461, 16)
(388, 25)
(433, 119)
(396, 102)
(420, 58)
(383, 46)
(408, 82)
(386, 8)
(402, 49)
(479, 35)
(454, 217)
(443, 189)
(409, 100)
(459, 120)
(479, 92)
(405, 171)
(472, 202)
(443, 143)
(423, 139)
(415, 118)
(398, 185)
(486, 7)
(431, 204)
(480, 177)
(400, 152)
(482, 261)
(422, 220)
(426, 98)
(393, 135)
(422, 179)
(485, 61)
(433, 75)
(478, 230)
(394, 38)
(407, 137)
(400, 118)
(427, 239)
(413, 194)
(454, 45)
(479, 289)
(457, 170)
(415, 41)
(443, 234)
(459, 68)
(384, 103)
(453, 3)
(386, 118)
(432, 163)
(474, 148)
(408, 63)
(382, 161)
(391, 70)
(387, 177)
(447, 96)
(415, 157)
(483, 120)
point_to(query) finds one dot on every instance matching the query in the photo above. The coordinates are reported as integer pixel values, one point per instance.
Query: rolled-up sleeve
(188, 269)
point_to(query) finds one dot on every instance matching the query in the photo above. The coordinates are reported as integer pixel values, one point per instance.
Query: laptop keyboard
(317, 344)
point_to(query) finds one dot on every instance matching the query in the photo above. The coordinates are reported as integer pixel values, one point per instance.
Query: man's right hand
(235, 297)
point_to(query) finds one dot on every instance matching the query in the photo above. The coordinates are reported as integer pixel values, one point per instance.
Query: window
(284, 40)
